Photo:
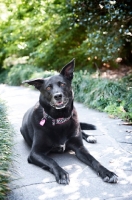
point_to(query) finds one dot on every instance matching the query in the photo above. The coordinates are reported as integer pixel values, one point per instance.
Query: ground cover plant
(6, 132)
(113, 97)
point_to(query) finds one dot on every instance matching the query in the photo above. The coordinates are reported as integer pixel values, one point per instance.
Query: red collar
(54, 121)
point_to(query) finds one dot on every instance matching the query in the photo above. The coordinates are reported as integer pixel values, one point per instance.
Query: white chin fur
(59, 107)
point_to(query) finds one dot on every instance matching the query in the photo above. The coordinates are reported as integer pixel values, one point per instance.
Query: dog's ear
(36, 82)
(68, 70)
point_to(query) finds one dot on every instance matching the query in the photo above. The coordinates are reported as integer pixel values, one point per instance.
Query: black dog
(52, 125)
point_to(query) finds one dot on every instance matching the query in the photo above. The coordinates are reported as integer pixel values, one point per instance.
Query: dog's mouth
(60, 104)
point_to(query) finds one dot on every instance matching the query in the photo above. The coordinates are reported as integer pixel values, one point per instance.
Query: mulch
(117, 73)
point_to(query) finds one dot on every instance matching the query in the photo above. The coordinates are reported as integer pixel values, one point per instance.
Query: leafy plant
(52, 32)
(3, 76)
(19, 73)
(114, 97)
(6, 132)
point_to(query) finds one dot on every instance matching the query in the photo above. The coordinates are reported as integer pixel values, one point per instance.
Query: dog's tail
(85, 126)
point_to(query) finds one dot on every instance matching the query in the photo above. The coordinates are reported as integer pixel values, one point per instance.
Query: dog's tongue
(59, 103)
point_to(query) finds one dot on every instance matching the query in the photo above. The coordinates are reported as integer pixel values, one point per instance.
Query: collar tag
(42, 122)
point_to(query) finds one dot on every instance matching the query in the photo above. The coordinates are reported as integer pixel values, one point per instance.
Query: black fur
(57, 100)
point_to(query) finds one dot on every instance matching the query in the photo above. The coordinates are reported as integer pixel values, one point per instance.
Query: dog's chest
(60, 138)
(59, 141)
(60, 148)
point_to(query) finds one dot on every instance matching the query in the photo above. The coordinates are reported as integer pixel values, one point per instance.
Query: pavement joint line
(28, 185)
(109, 198)
(105, 154)
(125, 142)
(48, 182)
(126, 151)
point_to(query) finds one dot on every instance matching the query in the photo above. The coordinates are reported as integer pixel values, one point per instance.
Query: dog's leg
(88, 138)
(87, 158)
(83, 154)
(45, 162)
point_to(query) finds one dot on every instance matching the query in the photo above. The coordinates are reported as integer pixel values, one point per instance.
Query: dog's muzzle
(59, 101)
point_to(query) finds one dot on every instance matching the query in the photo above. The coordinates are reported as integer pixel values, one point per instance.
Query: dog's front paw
(110, 177)
(62, 177)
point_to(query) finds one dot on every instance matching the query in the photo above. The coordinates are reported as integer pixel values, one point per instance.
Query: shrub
(19, 73)
(3, 76)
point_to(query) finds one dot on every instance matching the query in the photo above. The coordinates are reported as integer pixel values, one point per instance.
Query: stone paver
(113, 150)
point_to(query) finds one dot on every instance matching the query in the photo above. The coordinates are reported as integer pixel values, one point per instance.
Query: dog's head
(56, 90)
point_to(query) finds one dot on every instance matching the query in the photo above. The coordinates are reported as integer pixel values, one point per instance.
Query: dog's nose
(58, 96)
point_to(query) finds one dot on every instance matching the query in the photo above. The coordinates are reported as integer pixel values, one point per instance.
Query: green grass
(6, 132)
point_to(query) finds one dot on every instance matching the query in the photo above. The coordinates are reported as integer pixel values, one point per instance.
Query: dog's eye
(48, 88)
(62, 84)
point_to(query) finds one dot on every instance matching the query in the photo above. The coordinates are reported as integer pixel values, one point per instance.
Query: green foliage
(52, 32)
(114, 97)
(108, 27)
(6, 133)
(3, 76)
(19, 73)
